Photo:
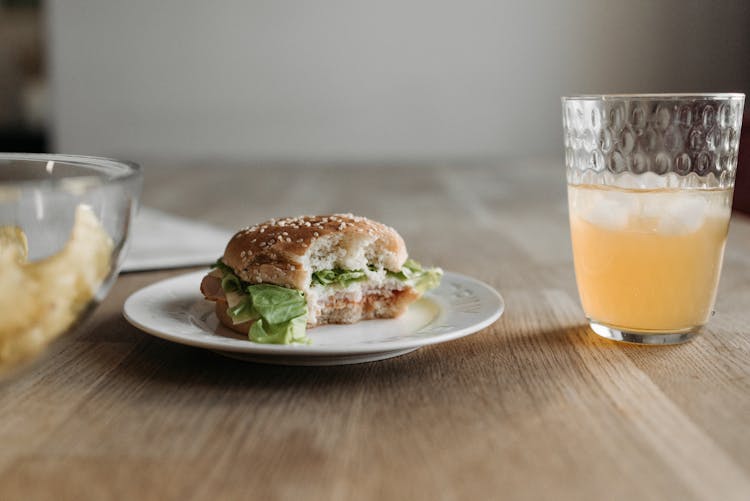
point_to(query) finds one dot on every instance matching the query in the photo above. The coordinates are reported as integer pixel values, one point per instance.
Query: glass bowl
(64, 227)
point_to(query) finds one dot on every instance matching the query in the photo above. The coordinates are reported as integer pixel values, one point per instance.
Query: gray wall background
(368, 81)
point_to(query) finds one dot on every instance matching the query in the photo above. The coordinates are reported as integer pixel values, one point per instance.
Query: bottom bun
(339, 308)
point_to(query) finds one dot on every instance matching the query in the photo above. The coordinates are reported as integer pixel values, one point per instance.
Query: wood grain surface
(534, 407)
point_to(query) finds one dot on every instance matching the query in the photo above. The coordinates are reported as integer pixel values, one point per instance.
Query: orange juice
(648, 260)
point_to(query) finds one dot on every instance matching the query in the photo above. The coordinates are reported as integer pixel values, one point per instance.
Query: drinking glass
(650, 182)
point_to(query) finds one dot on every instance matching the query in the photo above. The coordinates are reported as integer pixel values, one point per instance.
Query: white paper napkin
(160, 241)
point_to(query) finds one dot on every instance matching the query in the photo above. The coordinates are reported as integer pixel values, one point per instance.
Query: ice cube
(610, 209)
(682, 213)
(645, 181)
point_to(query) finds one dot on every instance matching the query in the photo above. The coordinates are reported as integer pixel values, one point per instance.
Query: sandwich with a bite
(280, 277)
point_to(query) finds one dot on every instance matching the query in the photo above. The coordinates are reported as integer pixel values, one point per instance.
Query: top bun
(288, 251)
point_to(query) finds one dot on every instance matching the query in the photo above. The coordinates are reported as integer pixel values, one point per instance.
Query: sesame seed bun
(288, 251)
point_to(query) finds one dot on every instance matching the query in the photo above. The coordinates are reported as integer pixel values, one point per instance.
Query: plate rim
(294, 350)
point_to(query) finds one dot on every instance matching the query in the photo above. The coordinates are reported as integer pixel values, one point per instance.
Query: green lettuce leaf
(276, 304)
(418, 277)
(289, 332)
(338, 277)
(282, 314)
(231, 283)
(243, 311)
(279, 314)
(422, 279)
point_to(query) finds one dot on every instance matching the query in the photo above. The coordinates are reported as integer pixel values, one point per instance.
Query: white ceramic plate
(174, 309)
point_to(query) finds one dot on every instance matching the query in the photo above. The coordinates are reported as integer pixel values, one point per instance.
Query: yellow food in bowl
(41, 300)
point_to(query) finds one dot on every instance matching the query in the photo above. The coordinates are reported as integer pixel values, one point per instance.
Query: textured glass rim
(103, 170)
(707, 96)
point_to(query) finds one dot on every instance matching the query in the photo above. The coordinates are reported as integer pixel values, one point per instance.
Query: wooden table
(534, 407)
